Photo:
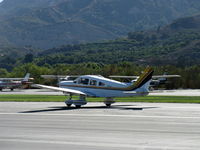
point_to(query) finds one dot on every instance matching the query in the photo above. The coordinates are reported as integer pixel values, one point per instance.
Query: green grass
(50, 98)
(32, 98)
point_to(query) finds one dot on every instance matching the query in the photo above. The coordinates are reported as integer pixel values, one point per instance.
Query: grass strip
(53, 98)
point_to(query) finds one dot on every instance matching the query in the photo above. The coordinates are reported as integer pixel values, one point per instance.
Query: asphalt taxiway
(127, 126)
(183, 92)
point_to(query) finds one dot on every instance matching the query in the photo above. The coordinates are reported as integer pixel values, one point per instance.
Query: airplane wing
(65, 90)
(126, 77)
(53, 76)
(166, 76)
(153, 77)
(13, 79)
(57, 76)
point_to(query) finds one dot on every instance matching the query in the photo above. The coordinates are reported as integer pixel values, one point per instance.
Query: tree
(28, 58)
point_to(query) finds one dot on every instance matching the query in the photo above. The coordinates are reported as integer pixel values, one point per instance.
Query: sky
(1, 1)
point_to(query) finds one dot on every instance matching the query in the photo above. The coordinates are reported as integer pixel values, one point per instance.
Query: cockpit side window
(101, 84)
(84, 81)
(93, 82)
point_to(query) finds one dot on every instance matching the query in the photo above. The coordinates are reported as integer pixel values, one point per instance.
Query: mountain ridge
(175, 44)
(22, 21)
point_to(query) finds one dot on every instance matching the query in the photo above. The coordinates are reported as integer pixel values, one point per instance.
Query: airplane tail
(26, 78)
(143, 82)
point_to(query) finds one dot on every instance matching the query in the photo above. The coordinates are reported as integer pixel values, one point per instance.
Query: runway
(127, 126)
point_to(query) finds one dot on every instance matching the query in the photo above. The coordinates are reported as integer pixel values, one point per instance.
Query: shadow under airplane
(64, 108)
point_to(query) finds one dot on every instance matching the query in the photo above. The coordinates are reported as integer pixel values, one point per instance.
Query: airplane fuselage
(98, 86)
(10, 84)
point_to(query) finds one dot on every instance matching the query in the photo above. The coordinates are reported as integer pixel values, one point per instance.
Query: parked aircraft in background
(156, 80)
(99, 86)
(60, 77)
(13, 83)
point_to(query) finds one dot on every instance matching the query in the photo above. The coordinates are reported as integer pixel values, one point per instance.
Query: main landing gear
(108, 101)
(77, 103)
(82, 101)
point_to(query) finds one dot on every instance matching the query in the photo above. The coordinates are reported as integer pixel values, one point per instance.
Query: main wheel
(69, 105)
(108, 105)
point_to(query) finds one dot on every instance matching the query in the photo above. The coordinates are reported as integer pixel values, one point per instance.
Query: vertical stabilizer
(144, 78)
(143, 81)
(26, 78)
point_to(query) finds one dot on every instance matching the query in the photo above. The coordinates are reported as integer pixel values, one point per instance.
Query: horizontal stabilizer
(130, 92)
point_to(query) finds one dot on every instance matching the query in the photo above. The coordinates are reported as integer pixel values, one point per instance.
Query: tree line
(190, 76)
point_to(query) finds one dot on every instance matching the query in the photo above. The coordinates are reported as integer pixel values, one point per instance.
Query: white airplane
(13, 83)
(99, 86)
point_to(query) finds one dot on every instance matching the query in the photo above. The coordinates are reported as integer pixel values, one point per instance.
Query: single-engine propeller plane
(99, 86)
(13, 83)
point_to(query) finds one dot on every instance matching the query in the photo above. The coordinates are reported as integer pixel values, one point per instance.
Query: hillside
(16, 6)
(10, 56)
(175, 44)
(51, 23)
